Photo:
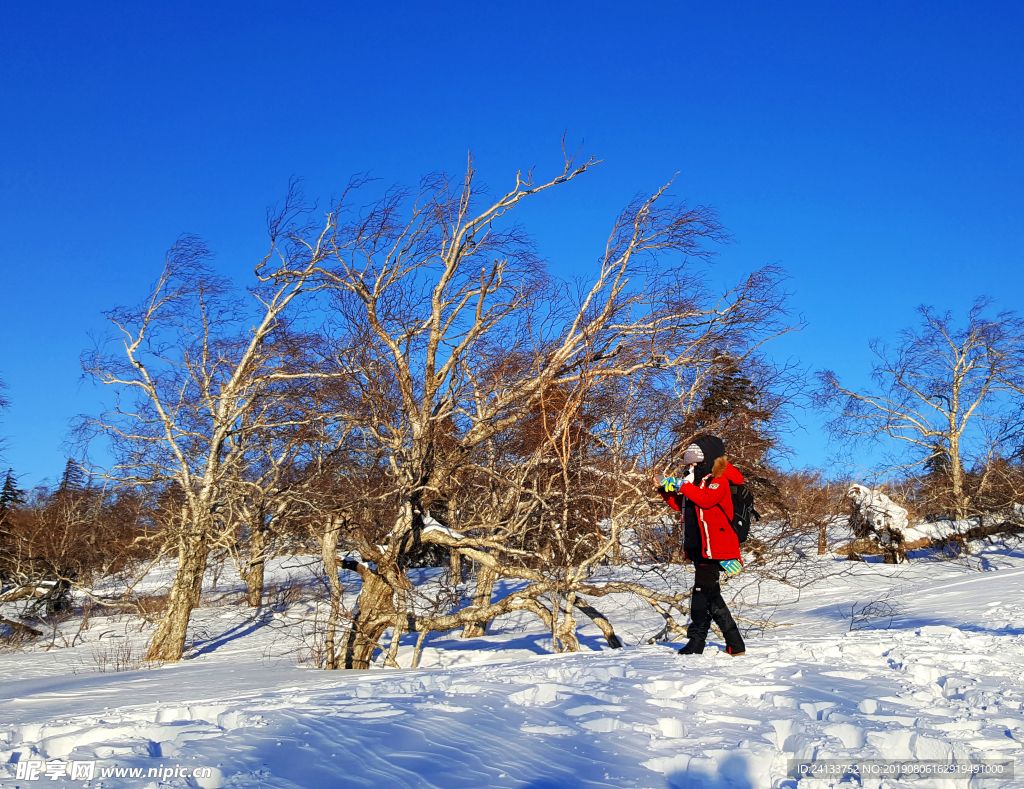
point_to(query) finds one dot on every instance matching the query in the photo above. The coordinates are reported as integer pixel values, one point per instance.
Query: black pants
(706, 604)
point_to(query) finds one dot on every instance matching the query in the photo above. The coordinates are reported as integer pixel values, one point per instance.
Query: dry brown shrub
(232, 597)
(70, 537)
(116, 654)
(286, 594)
(812, 506)
(151, 606)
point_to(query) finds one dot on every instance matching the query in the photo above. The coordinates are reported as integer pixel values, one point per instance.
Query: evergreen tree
(10, 495)
(740, 412)
(739, 406)
(73, 478)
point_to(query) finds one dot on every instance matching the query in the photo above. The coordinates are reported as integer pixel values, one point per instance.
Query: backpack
(742, 511)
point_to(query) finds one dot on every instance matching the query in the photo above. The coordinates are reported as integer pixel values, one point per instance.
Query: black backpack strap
(732, 520)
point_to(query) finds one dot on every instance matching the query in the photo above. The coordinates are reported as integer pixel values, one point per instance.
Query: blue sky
(875, 151)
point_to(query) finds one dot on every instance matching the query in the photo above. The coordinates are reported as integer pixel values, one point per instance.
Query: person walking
(703, 498)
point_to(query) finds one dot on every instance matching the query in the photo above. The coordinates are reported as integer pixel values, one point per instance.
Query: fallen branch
(19, 627)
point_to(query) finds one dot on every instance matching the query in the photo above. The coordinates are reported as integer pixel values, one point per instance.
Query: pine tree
(10, 495)
(739, 412)
(739, 406)
(73, 478)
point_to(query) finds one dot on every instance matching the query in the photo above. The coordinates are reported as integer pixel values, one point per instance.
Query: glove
(731, 567)
(670, 484)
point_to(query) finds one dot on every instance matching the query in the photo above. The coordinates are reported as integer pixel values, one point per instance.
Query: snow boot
(693, 647)
(730, 632)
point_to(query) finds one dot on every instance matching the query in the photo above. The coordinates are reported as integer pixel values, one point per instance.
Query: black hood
(713, 448)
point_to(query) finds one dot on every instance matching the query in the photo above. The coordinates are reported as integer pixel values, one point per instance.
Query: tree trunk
(601, 621)
(168, 642)
(564, 631)
(956, 467)
(822, 540)
(959, 498)
(329, 554)
(376, 612)
(254, 572)
(485, 579)
(454, 567)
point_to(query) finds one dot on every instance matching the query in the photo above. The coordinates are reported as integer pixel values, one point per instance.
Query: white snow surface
(932, 672)
(931, 530)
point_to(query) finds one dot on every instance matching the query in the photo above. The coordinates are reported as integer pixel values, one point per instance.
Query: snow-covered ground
(906, 662)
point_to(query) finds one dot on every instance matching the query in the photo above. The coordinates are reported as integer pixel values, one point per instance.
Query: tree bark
(485, 578)
(960, 503)
(564, 630)
(454, 566)
(376, 612)
(329, 554)
(601, 621)
(256, 569)
(168, 642)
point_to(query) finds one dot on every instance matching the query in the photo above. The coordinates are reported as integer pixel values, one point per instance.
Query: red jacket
(713, 502)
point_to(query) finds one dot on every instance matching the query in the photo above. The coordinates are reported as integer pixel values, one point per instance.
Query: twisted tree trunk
(168, 642)
(601, 621)
(375, 614)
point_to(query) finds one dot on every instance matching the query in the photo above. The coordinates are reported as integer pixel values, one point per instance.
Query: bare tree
(944, 397)
(199, 373)
(455, 336)
(458, 401)
(268, 498)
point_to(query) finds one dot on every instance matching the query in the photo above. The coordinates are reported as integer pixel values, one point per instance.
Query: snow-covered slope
(933, 670)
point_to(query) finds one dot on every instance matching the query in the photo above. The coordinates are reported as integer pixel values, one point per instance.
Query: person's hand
(670, 484)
